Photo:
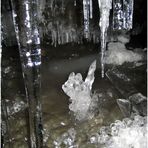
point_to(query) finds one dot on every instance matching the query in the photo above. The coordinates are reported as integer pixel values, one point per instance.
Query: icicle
(122, 14)
(86, 18)
(5, 124)
(91, 9)
(104, 6)
(62, 7)
(75, 3)
(25, 23)
(127, 14)
(117, 14)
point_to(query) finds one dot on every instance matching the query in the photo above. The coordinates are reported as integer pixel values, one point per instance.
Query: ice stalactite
(86, 17)
(62, 27)
(41, 6)
(104, 6)
(75, 3)
(123, 14)
(117, 15)
(25, 18)
(91, 9)
(87, 14)
(128, 14)
(83, 101)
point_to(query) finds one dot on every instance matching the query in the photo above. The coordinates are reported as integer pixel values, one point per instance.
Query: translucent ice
(104, 6)
(67, 139)
(125, 107)
(83, 102)
(14, 107)
(128, 133)
(123, 14)
(91, 9)
(86, 17)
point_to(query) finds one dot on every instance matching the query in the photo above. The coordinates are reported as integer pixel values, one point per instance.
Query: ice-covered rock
(117, 54)
(83, 101)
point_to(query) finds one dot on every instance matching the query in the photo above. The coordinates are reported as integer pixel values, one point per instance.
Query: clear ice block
(83, 101)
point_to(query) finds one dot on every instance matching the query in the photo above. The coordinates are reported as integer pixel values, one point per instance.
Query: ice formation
(83, 101)
(104, 6)
(61, 28)
(66, 139)
(87, 13)
(117, 54)
(123, 14)
(14, 107)
(128, 133)
(86, 17)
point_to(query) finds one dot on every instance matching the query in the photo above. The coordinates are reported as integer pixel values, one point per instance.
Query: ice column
(86, 18)
(83, 102)
(117, 14)
(123, 14)
(25, 23)
(104, 6)
(127, 14)
(5, 125)
(91, 9)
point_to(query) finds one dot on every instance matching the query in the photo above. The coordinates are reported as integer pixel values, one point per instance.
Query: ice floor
(60, 127)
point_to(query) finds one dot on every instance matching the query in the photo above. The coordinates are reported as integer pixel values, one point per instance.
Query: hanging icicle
(86, 18)
(122, 14)
(117, 14)
(104, 6)
(75, 3)
(91, 9)
(127, 14)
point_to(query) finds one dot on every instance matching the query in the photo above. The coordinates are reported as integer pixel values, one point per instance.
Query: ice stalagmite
(83, 102)
(104, 6)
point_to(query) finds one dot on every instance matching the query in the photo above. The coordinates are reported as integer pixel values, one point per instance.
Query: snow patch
(117, 54)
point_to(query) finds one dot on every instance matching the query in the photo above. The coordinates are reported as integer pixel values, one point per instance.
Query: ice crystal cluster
(128, 133)
(14, 107)
(66, 139)
(83, 101)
